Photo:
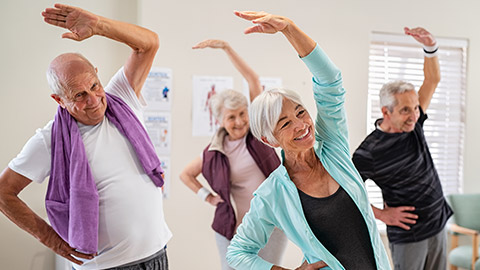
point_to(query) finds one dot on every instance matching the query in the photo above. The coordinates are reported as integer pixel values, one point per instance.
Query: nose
(412, 116)
(299, 124)
(239, 121)
(91, 98)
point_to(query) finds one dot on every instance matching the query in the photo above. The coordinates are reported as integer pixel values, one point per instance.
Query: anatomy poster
(204, 87)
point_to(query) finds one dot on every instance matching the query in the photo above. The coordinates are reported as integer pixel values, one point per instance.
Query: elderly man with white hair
(397, 158)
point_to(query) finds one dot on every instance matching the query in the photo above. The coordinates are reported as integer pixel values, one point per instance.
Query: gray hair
(265, 111)
(228, 99)
(389, 90)
(58, 87)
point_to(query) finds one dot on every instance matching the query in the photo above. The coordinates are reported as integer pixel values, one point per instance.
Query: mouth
(304, 135)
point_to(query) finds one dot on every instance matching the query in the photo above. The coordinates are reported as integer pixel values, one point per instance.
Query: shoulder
(273, 185)
(120, 87)
(370, 142)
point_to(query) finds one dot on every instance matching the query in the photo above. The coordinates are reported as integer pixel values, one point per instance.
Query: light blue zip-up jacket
(276, 202)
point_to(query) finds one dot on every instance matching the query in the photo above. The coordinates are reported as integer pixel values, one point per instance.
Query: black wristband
(434, 51)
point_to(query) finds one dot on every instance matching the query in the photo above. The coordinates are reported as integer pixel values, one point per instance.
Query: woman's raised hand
(265, 22)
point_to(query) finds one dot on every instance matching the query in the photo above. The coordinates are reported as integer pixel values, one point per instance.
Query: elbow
(183, 176)
(155, 43)
(152, 43)
(230, 256)
(149, 45)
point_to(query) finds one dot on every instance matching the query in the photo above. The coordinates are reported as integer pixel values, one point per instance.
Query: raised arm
(255, 88)
(83, 24)
(11, 184)
(431, 66)
(270, 24)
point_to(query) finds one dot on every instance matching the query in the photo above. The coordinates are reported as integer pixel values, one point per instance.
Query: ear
(385, 112)
(58, 99)
(273, 145)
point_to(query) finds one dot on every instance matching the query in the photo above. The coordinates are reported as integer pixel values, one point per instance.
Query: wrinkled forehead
(407, 98)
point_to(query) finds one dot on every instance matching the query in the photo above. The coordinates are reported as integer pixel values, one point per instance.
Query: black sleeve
(423, 116)
(363, 161)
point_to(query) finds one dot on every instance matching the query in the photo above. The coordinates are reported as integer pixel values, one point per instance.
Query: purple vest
(216, 170)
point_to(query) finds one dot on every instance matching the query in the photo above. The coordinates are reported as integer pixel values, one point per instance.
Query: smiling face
(83, 97)
(404, 115)
(294, 130)
(235, 122)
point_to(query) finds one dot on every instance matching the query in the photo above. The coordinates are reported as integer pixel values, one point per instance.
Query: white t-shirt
(131, 219)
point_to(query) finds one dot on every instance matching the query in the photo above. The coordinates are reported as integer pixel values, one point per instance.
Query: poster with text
(158, 126)
(157, 90)
(204, 87)
(266, 82)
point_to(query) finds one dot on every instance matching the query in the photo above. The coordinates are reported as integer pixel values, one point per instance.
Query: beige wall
(341, 27)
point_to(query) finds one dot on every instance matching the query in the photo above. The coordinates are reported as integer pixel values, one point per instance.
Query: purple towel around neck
(72, 197)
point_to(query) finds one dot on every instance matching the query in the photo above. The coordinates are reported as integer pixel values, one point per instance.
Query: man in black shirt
(396, 157)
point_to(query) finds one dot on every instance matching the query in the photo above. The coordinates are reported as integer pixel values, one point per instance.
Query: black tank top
(339, 226)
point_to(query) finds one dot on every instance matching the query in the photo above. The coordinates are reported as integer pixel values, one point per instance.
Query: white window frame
(400, 57)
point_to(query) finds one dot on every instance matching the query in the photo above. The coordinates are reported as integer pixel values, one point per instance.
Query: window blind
(399, 57)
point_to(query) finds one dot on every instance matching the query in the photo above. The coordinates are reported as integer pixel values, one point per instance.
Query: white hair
(265, 111)
(228, 99)
(389, 90)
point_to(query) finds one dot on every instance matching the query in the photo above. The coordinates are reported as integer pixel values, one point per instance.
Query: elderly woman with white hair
(316, 196)
(234, 163)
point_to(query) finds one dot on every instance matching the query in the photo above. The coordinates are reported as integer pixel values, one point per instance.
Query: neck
(301, 161)
(386, 127)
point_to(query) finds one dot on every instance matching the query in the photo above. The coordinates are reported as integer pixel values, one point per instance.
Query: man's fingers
(82, 255)
(72, 259)
(411, 216)
(70, 35)
(54, 17)
(64, 8)
(56, 11)
(403, 226)
(55, 22)
(406, 208)
(409, 221)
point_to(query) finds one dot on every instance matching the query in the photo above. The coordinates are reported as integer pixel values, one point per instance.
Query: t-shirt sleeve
(34, 160)
(363, 161)
(423, 116)
(120, 87)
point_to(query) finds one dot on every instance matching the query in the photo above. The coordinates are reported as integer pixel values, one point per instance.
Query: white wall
(341, 27)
